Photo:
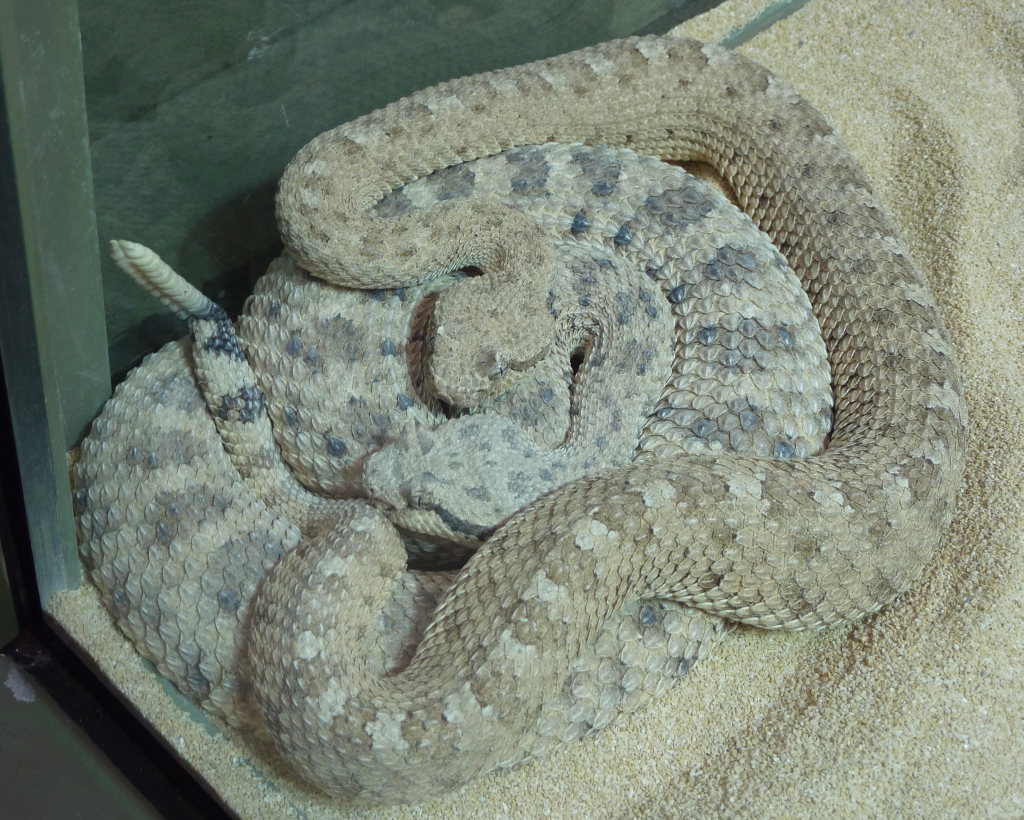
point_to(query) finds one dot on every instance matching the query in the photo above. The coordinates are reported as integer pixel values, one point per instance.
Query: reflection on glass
(195, 108)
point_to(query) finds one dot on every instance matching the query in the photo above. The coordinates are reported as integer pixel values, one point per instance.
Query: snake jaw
(383, 498)
(418, 491)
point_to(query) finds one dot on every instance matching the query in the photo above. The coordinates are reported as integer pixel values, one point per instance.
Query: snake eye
(489, 366)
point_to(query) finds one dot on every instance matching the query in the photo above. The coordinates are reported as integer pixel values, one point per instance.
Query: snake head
(481, 344)
(386, 473)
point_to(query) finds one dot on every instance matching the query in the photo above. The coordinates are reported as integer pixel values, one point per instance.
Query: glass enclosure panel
(169, 123)
(195, 108)
(193, 111)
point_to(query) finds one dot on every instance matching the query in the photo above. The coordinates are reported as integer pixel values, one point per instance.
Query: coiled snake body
(773, 542)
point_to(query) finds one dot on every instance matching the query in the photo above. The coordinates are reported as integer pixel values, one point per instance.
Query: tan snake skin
(776, 543)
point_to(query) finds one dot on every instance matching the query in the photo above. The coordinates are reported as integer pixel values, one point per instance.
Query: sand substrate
(918, 712)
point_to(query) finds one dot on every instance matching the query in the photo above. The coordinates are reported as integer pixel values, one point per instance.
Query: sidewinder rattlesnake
(773, 542)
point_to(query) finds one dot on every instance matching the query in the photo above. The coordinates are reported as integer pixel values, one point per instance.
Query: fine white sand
(918, 712)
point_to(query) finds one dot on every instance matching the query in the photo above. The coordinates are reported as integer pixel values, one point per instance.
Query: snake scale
(367, 699)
